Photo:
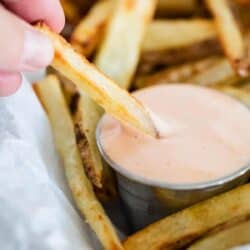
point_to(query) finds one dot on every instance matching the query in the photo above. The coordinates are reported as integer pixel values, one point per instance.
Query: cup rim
(163, 184)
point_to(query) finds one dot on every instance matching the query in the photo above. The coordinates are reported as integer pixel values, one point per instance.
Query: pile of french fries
(133, 44)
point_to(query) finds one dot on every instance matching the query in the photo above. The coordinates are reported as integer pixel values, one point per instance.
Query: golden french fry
(97, 18)
(51, 96)
(178, 230)
(176, 74)
(244, 2)
(89, 32)
(226, 239)
(220, 73)
(100, 88)
(168, 34)
(85, 120)
(177, 7)
(151, 60)
(120, 50)
(230, 35)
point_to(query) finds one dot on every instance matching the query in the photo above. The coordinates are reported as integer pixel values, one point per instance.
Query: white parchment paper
(35, 212)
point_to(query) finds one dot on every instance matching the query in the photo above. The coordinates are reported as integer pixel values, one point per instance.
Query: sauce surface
(209, 138)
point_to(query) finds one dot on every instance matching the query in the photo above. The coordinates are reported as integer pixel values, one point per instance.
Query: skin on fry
(168, 34)
(51, 96)
(84, 119)
(177, 7)
(89, 31)
(180, 229)
(230, 35)
(232, 237)
(175, 74)
(119, 52)
(91, 159)
(100, 88)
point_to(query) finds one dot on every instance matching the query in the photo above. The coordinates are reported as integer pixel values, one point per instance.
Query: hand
(22, 48)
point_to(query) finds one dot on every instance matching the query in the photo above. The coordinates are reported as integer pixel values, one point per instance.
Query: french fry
(180, 229)
(152, 60)
(238, 93)
(91, 158)
(89, 32)
(100, 88)
(176, 74)
(51, 96)
(169, 34)
(226, 239)
(97, 171)
(220, 73)
(230, 35)
(120, 50)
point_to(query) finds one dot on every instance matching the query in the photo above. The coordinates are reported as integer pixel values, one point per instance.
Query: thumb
(22, 48)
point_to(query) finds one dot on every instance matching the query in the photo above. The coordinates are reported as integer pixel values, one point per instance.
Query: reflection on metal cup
(148, 201)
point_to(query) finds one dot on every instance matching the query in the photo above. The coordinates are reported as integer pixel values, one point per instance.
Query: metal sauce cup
(146, 201)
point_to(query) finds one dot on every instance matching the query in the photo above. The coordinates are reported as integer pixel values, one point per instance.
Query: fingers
(49, 11)
(22, 48)
(9, 83)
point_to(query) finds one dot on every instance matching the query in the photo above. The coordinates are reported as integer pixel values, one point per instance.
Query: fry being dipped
(99, 87)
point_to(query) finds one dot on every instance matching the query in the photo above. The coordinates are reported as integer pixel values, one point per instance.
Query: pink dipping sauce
(209, 138)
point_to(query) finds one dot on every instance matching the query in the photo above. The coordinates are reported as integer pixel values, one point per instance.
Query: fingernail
(38, 51)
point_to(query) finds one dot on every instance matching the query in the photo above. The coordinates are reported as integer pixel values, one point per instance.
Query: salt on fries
(91, 158)
(51, 96)
(230, 35)
(180, 229)
(102, 89)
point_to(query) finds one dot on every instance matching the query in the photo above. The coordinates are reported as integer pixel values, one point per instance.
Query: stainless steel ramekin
(146, 201)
